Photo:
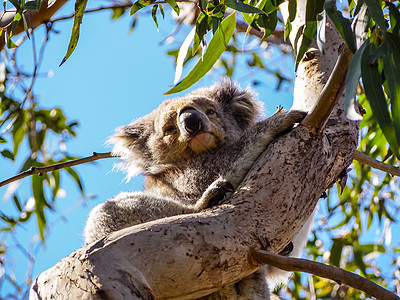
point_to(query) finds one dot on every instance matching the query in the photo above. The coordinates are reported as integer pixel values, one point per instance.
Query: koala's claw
(219, 192)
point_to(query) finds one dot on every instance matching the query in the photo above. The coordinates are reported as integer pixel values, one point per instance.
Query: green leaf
(373, 90)
(40, 203)
(154, 14)
(352, 78)
(391, 69)
(336, 252)
(201, 30)
(139, 5)
(80, 6)
(203, 4)
(243, 7)
(394, 18)
(26, 28)
(313, 8)
(292, 9)
(17, 18)
(268, 22)
(342, 24)
(7, 154)
(29, 162)
(250, 18)
(308, 36)
(174, 6)
(161, 10)
(214, 50)
(288, 29)
(55, 183)
(74, 175)
(375, 10)
(32, 5)
(17, 203)
(10, 43)
(18, 133)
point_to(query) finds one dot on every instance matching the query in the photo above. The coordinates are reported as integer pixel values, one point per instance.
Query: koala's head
(182, 128)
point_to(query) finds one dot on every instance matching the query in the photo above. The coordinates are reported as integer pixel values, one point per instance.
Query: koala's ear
(130, 143)
(127, 137)
(242, 104)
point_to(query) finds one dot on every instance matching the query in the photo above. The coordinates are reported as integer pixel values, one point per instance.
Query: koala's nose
(191, 120)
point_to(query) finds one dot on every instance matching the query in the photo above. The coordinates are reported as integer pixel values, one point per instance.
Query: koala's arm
(128, 209)
(245, 152)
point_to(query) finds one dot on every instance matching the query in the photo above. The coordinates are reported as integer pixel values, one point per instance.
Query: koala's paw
(295, 116)
(218, 192)
(214, 194)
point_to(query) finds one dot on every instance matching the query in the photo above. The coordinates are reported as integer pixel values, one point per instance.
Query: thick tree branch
(366, 160)
(326, 271)
(36, 18)
(331, 92)
(40, 171)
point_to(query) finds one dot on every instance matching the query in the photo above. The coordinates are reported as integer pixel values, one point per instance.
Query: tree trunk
(190, 256)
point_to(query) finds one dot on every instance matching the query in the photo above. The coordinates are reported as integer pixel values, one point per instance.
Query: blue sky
(112, 78)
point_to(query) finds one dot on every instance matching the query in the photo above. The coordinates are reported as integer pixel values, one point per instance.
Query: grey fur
(182, 177)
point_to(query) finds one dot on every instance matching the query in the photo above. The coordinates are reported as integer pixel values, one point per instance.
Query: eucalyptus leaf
(391, 69)
(40, 203)
(214, 50)
(80, 6)
(268, 22)
(352, 79)
(292, 10)
(373, 90)
(75, 176)
(139, 5)
(174, 6)
(342, 24)
(243, 7)
(308, 36)
(201, 30)
(250, 17)
(336, 252)
(7, 154)
(154, 14)
(394, 18)
(375, 10)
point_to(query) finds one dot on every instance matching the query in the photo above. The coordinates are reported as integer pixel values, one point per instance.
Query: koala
(192, 150)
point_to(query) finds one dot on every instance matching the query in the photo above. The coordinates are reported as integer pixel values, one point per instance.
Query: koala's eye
(210, 112)
(169, 130)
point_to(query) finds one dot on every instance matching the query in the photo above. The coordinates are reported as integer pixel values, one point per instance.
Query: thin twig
(376, 164)
(331, 92)
(42, 170)
(326, 271)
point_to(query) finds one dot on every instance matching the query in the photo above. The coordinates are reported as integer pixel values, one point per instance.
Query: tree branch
(326, 271)
(36, 18)
(275, 38)
(331, 92)
(42, 170)
(367, 160)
